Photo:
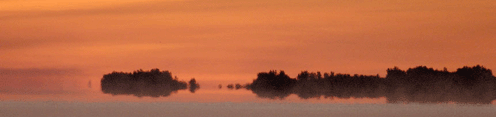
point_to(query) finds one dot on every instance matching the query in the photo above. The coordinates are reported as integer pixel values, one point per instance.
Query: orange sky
(231, 41)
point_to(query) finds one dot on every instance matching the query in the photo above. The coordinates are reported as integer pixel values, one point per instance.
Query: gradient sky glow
(233, 40)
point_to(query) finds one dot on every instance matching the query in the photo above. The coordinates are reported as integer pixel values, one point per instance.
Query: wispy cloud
(147, 7)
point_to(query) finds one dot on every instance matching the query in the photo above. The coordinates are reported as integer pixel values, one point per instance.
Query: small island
(153, 83)
(420, 84)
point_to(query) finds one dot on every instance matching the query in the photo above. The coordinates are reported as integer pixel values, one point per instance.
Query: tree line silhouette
(153, 83)
(420, 84)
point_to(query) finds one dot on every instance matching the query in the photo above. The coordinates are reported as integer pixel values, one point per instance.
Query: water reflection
(153, 83)
(421, 84)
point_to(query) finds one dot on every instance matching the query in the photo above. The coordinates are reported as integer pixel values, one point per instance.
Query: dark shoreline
(420, 84)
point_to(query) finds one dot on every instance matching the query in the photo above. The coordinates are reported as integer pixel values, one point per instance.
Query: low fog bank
(227, 109)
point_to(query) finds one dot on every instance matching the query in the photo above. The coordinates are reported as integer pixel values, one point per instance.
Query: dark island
(420, 84)
(154, 83)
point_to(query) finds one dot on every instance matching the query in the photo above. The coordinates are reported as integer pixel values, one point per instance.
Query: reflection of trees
(154, 83)
(421, 84)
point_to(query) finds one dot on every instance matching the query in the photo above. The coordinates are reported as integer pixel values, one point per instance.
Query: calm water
(226, 109)
(211, 101)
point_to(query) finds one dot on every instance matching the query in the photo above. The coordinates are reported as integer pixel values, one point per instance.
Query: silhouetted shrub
(193, 86)
(230, 86)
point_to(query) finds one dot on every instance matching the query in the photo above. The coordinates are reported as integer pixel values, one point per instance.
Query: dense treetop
(153, 83)
(420, 84)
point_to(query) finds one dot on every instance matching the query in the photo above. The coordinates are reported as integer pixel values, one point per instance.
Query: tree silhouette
(193, 86)
(420, 84)
(154, 83)
(272, 82)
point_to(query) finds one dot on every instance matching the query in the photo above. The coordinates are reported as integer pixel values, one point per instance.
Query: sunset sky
(58, 44)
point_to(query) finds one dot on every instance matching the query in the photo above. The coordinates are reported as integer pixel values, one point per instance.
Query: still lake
(210, 101)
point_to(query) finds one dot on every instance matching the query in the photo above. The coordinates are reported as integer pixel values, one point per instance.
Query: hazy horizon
(59, 51)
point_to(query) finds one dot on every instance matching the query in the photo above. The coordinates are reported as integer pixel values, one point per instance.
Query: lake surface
(227, 109)
(210, 101)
